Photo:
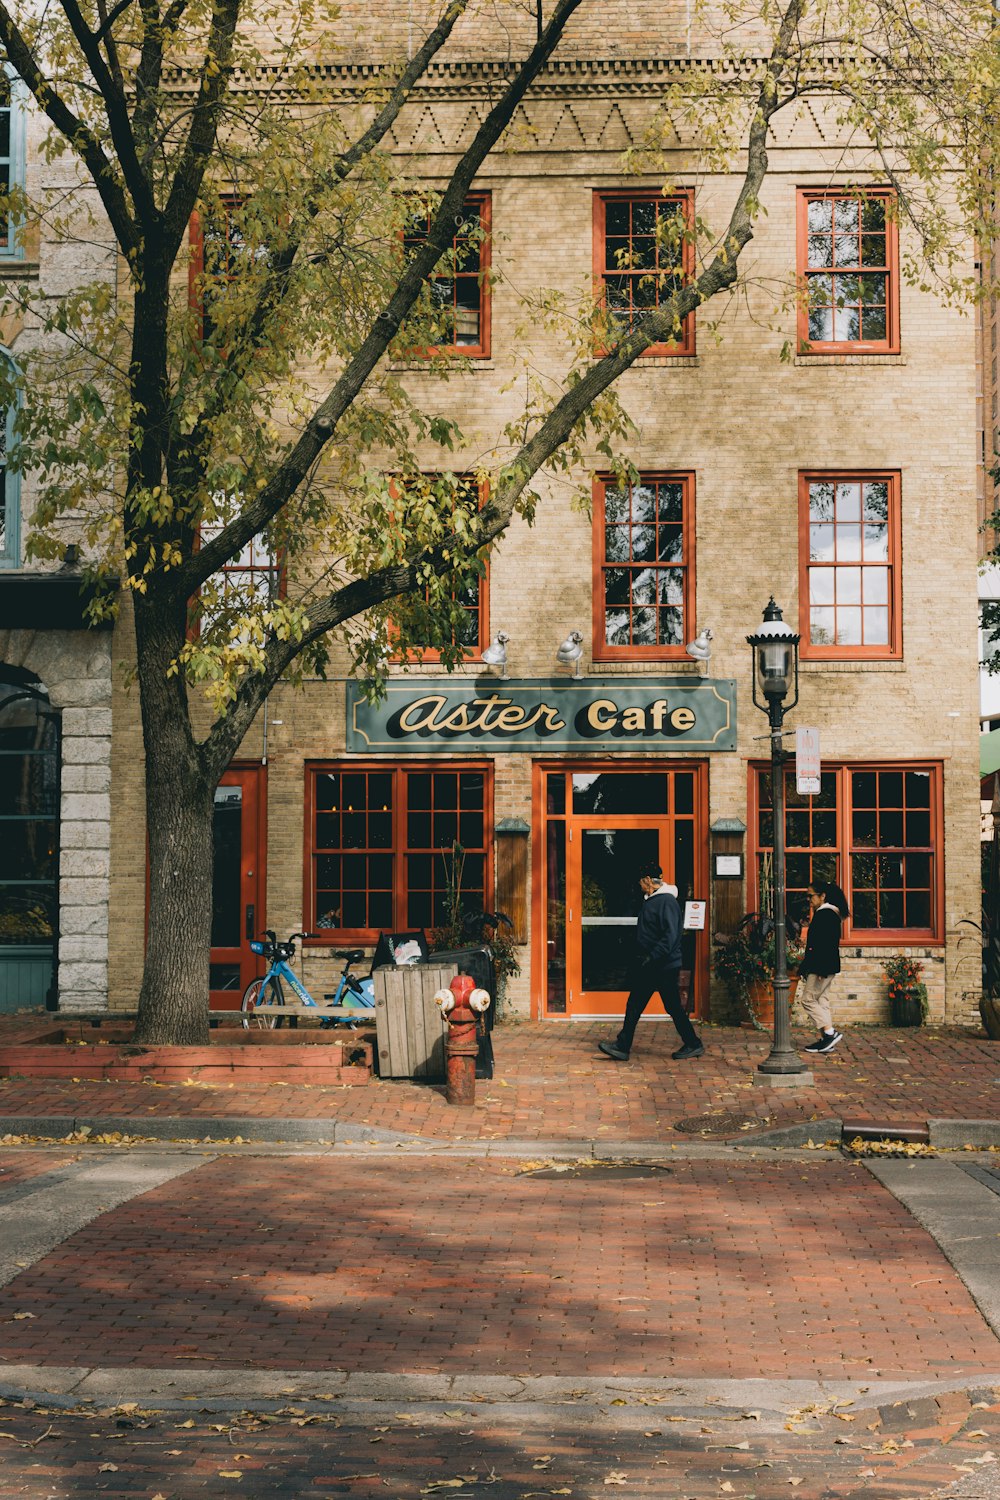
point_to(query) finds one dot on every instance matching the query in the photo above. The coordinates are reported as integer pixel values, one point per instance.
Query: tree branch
(216, 72)
(112, 91)
(80, 137)
(322, 425)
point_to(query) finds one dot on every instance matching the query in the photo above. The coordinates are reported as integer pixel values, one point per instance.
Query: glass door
(237, 884)
(601, 827)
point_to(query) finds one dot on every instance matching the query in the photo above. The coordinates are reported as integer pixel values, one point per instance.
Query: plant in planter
(744, 962)
(907, 991)
(463, 928)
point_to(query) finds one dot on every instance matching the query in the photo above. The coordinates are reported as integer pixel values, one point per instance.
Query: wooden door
(238, 883)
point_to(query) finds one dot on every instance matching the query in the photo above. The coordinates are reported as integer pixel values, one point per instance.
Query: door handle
(250, 916)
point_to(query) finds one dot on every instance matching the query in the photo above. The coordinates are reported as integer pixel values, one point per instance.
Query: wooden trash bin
(409, 1027)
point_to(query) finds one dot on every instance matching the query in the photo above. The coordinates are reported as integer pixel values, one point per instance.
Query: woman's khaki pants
(812, 996)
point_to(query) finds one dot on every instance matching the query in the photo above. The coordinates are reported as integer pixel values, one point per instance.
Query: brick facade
(740, 418)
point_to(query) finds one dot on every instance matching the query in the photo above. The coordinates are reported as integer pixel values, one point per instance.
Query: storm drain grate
(721, 1124)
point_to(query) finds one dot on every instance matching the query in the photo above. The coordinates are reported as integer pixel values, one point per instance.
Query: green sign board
(476, 716)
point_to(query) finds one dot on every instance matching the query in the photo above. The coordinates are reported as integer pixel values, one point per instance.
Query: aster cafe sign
(479, 714)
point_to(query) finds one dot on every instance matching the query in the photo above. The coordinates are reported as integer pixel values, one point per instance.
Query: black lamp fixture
(775, 649)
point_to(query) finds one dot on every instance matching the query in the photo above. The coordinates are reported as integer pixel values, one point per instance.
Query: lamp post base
(765, 1079)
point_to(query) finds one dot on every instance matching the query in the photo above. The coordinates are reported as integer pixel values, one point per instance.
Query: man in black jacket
(658, 967)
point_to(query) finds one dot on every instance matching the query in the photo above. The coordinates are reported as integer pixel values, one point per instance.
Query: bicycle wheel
(263, 1018)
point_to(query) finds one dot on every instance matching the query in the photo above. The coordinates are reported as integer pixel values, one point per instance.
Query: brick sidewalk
(551, 1083)
(709, 1269)
(908, 1451)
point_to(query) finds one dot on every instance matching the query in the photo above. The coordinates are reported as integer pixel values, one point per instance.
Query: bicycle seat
(351, 957)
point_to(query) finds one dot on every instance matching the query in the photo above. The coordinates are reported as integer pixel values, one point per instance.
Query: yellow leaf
(20, 1317)
(107, 1468)
(230, 1473)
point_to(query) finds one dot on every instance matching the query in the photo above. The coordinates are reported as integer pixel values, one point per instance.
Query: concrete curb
(946, 1134)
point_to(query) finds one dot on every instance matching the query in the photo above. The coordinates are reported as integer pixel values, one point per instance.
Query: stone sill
(667, 362)
(18, 270)
(812, 667)
(463, 364)
(803, 361)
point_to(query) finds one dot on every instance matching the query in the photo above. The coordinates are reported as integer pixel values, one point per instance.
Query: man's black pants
(644, 987)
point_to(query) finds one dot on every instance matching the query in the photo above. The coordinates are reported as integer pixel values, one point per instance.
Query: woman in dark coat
(821, 961)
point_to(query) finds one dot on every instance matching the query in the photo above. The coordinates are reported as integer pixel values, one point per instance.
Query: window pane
(820, 213)
(918, 909)
(845, 215)
(821, 547)
(918, 789)
(848, 585)
(846, 325)
(848, 543)
(891, 909)
(864, 787)
(820, 250)
(876, 627)
(876, 543)
(874, 324)
(27, 915)
(821, 627)
(848, 627)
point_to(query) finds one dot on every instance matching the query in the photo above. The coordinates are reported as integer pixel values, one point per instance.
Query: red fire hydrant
(460, 1006)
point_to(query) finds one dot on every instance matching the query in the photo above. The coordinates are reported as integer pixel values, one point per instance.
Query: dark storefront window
(385, 842)
(29, 834)
(876, 830)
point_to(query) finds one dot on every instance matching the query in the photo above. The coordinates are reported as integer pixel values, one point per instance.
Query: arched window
(10, 482)
(29, 839)
(12, 101)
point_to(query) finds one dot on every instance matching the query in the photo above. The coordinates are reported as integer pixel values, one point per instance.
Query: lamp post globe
(775, 647)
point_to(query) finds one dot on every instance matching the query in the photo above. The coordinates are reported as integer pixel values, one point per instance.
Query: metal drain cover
(722, 1124)
(599, 1171)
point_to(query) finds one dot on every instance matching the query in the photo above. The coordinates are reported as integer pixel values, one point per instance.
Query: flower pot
(760, 1001)
(905, 1009)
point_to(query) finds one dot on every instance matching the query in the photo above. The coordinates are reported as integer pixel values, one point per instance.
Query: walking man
(658, 967)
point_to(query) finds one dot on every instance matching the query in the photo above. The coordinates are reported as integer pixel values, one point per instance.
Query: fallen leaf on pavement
(616, 1477)
(230, 1473)
(20, 1317)
(107, 1468)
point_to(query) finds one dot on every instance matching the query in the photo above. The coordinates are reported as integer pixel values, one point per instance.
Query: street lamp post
(776, 672)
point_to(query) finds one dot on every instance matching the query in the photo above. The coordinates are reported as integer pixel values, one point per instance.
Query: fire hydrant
(461, 1004)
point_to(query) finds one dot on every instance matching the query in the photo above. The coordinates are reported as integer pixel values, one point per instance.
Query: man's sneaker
(819, 1045)
(694, 1050)
(828, 1041)
(612, 1049)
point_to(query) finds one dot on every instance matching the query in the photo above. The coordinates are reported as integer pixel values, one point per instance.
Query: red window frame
(481, 610)
(274, 566)
(606, 197)
(401, 828)
(602, 649)
(852, 816)
(482, 201)
(841, 526)
(810, 267)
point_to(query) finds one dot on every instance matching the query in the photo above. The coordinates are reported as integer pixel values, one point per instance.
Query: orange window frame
(603, 198)
(275, 567)
(845, 847)
(892, 649)
(399, 847)
(890, 343)
(483, 203)
(432, 653)
(197, 281)
(602, 650)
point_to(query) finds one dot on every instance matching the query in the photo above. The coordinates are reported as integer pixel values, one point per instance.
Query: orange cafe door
(601, 827)
(237, 884)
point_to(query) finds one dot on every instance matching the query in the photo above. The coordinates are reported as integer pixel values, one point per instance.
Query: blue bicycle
(264, 997)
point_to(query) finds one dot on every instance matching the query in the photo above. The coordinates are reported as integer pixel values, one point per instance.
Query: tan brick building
(842, 480)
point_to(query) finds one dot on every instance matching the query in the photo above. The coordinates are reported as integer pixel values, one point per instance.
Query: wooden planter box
(409, 1027)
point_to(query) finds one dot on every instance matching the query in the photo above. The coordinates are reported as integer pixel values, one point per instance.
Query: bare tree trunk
(173, 1001)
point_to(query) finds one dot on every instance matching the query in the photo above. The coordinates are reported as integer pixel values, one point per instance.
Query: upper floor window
(470, 623)
(243, 585)
(10, 486)
(643, 255)
(849, 584)
(221, 250)
(643, 566)
(459, 287)
(848, 270)
(11, 158)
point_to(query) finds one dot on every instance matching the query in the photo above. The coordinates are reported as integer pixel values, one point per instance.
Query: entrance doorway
(237, 883)
(599, 824)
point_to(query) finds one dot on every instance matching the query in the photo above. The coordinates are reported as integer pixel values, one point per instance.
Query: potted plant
(744, 961)
(907, 991)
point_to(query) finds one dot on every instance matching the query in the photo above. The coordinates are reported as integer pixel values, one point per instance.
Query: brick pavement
(720, 1268)
(904, 1452)
(552, 1083)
